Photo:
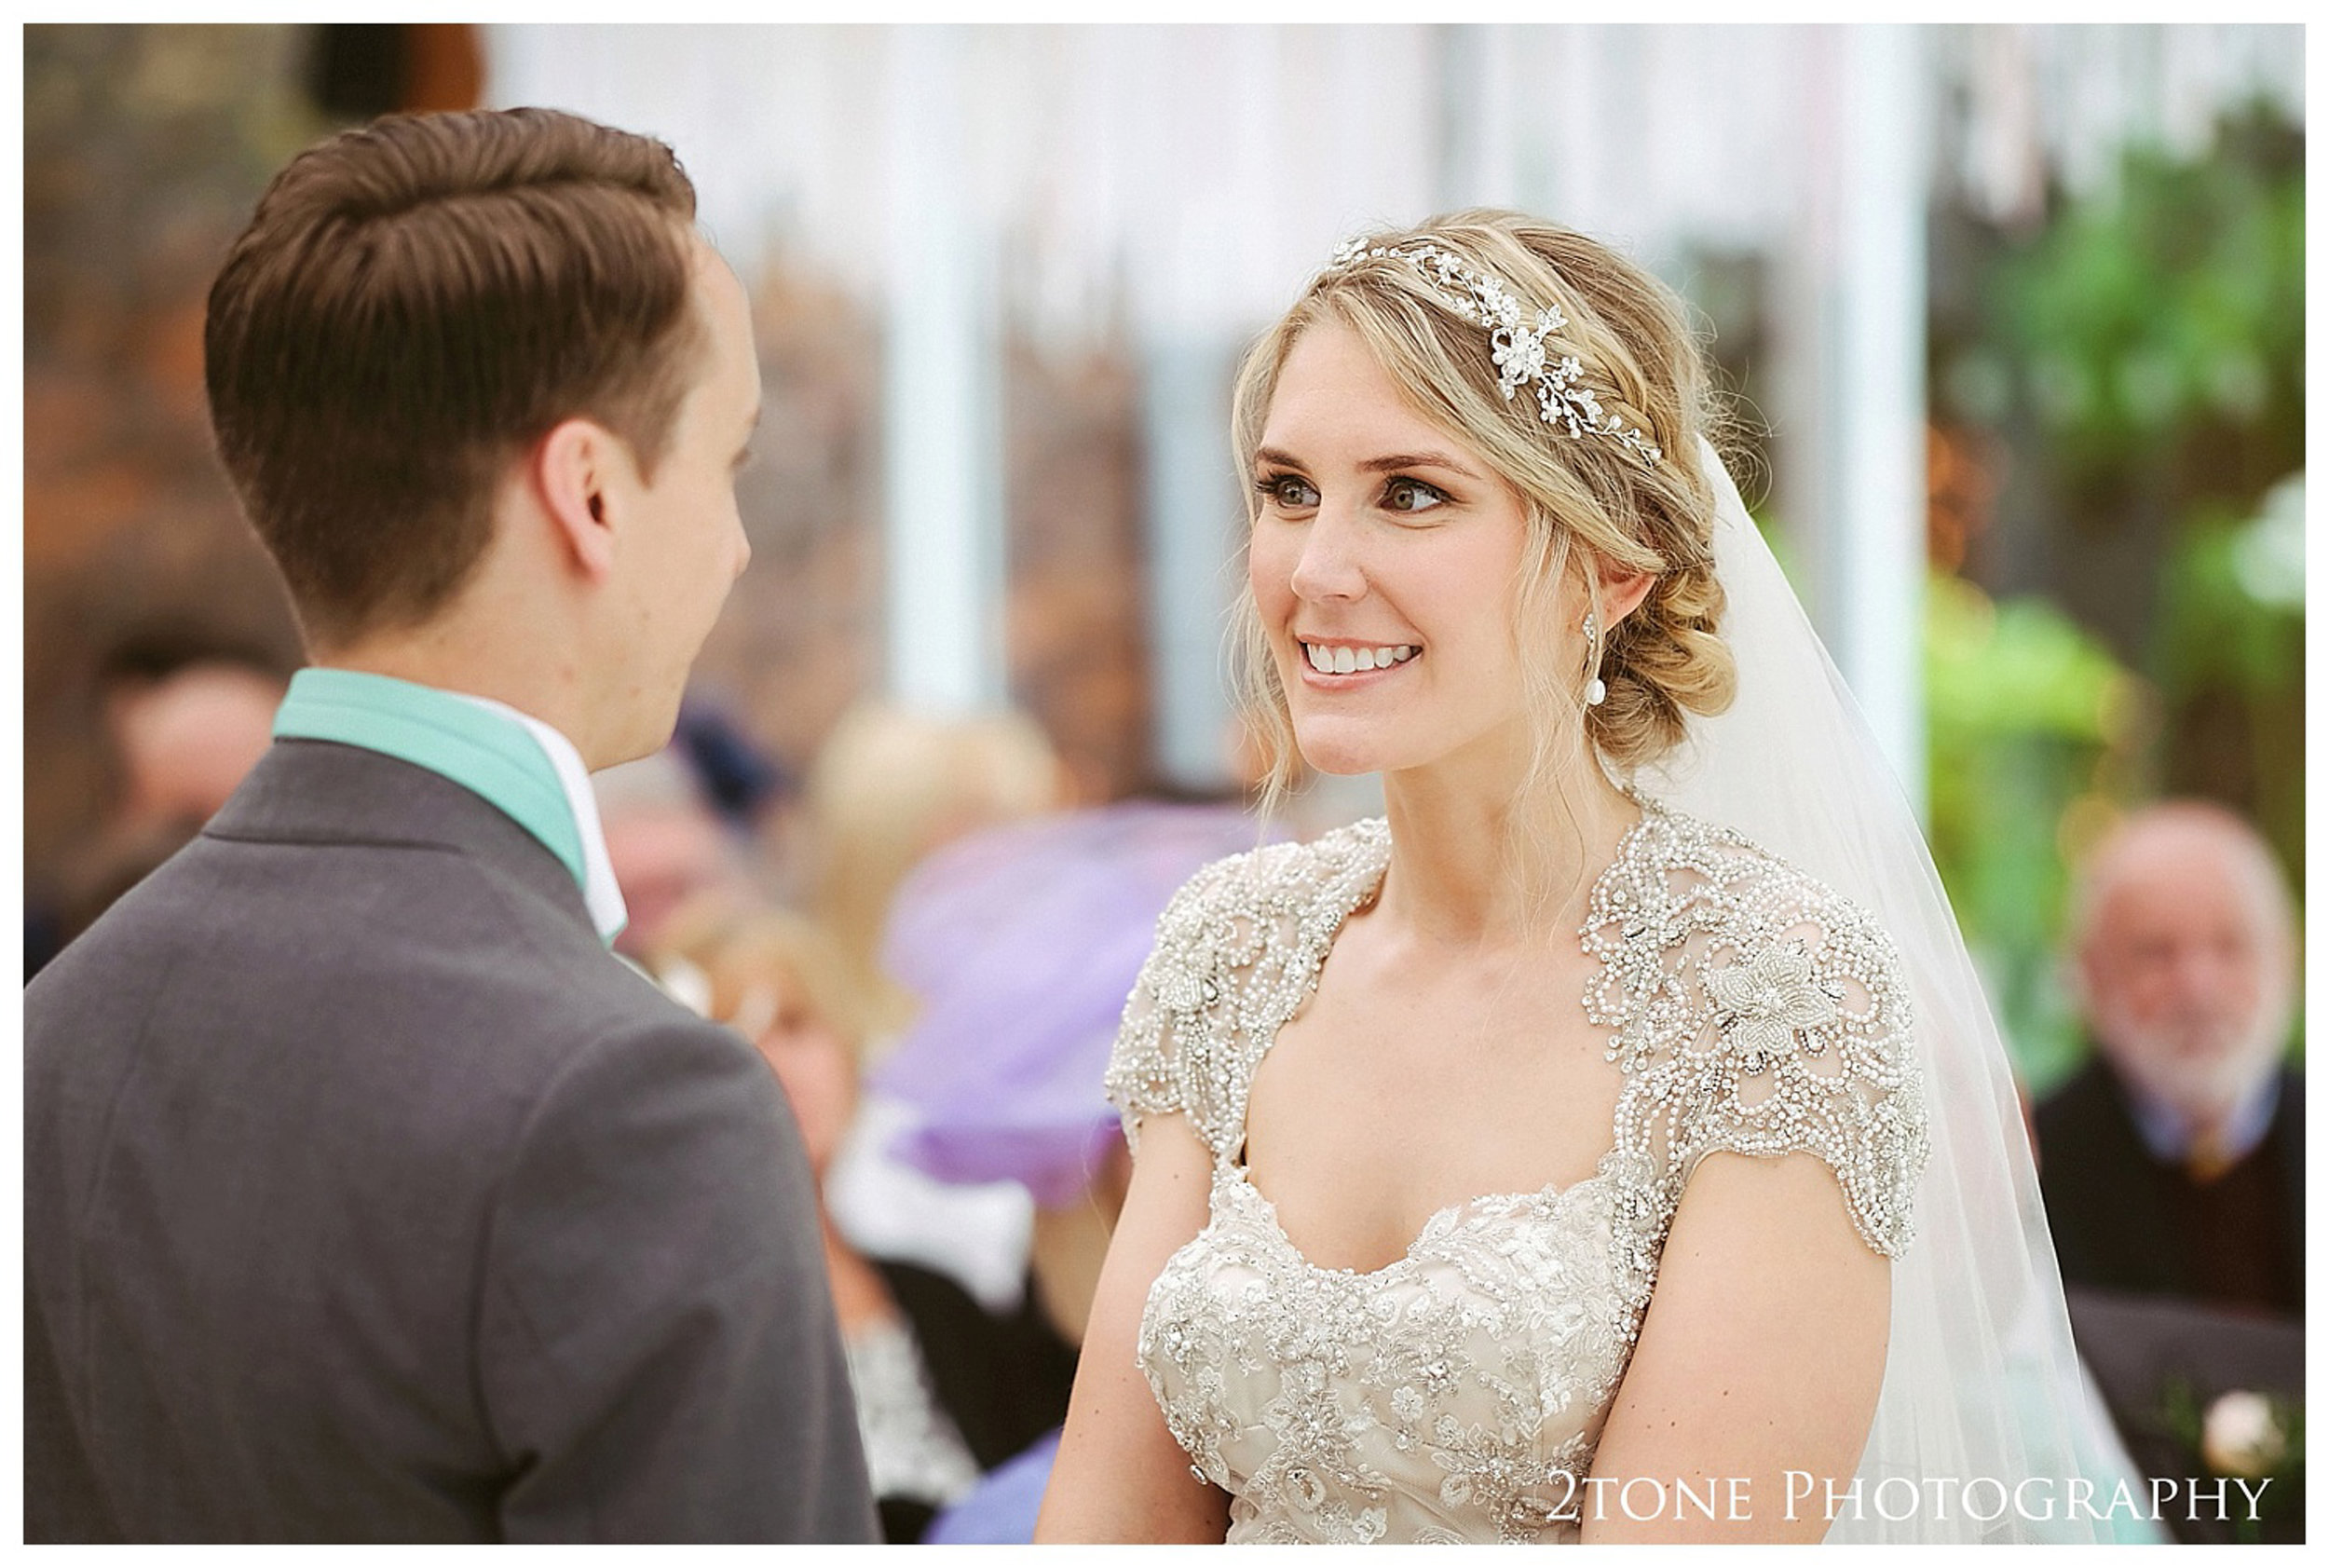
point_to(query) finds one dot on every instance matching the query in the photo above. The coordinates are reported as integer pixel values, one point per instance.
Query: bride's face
(1384, 560)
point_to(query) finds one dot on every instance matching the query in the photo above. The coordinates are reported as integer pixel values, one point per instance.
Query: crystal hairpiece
(1519, 352)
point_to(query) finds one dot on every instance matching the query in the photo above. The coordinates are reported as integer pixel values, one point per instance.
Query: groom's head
(477, 379)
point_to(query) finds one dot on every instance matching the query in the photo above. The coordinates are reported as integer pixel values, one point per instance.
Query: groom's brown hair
(413, 304)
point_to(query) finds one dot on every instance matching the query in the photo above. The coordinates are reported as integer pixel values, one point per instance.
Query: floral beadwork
(1765, 1000)
(1459, 1392)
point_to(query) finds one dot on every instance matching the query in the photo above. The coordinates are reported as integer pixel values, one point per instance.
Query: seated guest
(945, 1391)
(187, 718)
(2174, 1164)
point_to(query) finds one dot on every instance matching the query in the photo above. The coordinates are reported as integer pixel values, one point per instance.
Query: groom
(367, 1196)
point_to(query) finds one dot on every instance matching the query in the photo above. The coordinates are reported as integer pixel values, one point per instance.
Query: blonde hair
(889, 787)
(1591, 500)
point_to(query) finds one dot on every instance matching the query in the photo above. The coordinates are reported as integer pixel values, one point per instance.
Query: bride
(1758, 1255)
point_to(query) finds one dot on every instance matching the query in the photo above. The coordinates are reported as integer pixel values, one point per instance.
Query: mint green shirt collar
(494, 751)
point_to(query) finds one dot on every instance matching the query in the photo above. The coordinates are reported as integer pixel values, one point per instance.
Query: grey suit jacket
(367, 1197)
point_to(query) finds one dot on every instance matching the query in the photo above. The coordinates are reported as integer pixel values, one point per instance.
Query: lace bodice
(1459, 1393)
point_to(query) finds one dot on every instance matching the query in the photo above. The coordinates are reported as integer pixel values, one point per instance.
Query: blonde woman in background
(888, 787)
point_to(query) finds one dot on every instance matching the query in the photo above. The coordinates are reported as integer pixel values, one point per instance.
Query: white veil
(1982, 1383)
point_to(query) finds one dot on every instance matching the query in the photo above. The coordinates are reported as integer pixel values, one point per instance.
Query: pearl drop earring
(1595, 692)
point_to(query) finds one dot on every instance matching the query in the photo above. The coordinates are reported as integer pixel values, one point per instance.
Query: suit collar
(324, 792)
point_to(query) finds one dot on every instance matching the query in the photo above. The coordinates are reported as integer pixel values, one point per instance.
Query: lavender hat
(1020, 944)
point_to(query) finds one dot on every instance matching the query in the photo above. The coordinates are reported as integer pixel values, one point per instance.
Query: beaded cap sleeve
(1756, 1011)
(1236, 949)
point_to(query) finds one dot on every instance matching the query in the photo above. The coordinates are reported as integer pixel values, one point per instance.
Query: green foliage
(2022, 710)
(2017, 669)
(2150, 318)
(2139, 356)
(2233, 613)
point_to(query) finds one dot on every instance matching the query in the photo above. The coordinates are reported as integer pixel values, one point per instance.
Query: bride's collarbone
(1368, 1115)
(1380, 1022)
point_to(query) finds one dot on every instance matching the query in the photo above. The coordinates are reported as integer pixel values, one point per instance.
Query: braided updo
(1592, 493)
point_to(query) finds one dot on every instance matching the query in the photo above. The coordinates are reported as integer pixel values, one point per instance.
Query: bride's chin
(1343, 756)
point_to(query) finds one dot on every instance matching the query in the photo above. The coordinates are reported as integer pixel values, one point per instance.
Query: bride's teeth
(1355, 660)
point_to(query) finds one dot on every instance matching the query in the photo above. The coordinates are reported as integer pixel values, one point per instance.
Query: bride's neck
(1472, 863)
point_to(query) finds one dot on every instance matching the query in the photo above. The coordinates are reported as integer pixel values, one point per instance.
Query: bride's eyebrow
(1415, 460)
(1274, 456)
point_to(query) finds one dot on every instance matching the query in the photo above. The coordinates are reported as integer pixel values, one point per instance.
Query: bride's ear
(1622, 593)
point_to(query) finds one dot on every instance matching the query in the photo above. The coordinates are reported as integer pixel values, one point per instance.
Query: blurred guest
(186, 712)
(186, 739)
(665, 842)
(944, 1391)
(1000, 1511)
(740, 780)
(891, 785)
(2174, 1163)
(755, 794)
(1020, 945)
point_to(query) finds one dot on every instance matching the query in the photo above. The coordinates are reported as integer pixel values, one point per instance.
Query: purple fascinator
(1021, 944)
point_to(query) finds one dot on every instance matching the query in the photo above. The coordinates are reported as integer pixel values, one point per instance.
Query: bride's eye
(1288, 491)
(1403, 494)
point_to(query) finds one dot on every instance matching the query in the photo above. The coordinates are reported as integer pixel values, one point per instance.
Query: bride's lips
(1384, 660)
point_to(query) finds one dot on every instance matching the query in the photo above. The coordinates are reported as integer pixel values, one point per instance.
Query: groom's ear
(577, 472)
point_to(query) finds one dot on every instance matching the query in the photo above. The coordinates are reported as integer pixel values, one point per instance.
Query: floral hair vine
(1517, 344)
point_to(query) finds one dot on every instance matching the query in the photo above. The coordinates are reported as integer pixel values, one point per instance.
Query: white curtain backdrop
(1172, 186)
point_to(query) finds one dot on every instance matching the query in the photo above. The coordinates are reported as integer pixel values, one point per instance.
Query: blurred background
(2017, 310)
(2013, 315)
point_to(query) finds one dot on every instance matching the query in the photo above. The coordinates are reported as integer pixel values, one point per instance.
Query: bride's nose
(1329, 566)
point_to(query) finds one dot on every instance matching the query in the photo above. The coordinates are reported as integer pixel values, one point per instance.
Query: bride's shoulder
(1280, 880)
(1733, 888)
(1254, 914)
(1700, 903)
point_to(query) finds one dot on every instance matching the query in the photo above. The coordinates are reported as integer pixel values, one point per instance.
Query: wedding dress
(1458, 1393)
